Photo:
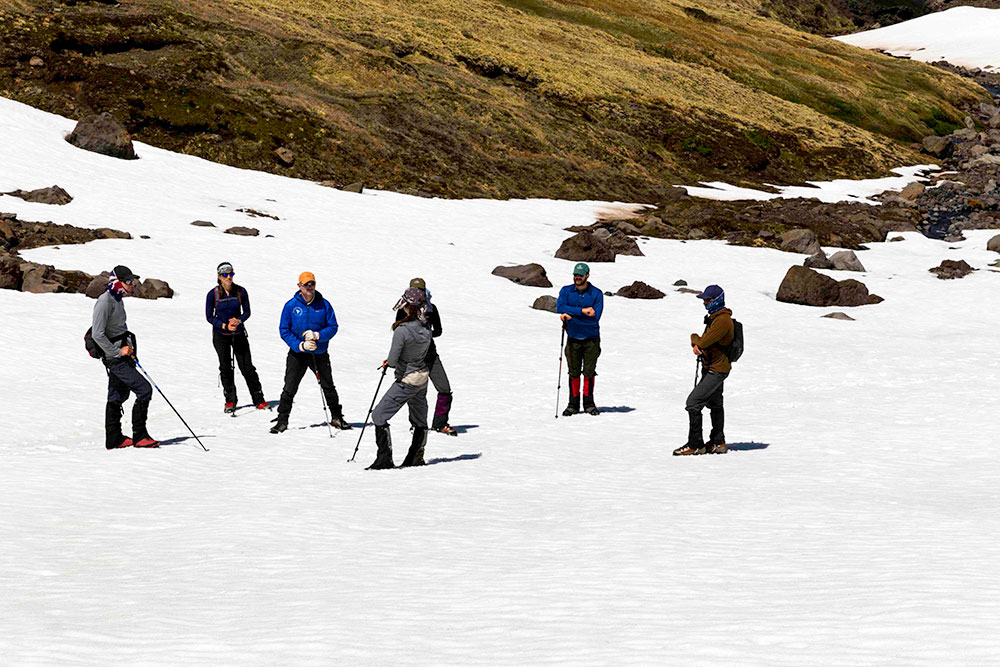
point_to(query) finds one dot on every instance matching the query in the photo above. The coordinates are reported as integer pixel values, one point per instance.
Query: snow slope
(966, 36)
(855, 524)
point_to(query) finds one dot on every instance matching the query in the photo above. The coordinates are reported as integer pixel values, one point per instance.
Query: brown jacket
(718, 334)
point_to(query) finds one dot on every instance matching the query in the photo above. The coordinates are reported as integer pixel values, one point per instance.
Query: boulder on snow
(357, 187)
(102, 133)
(951, 269)
(623, 244)
(807, 287)
(994, 244)
(546, 302)
(532, 275)
(802, 241)
(50, 195)
(838, 316)
(640, 290)
(243, 231)
(818, 261)
(912, 191)
(586, 247)
(151, 288)
(846, 260)
(203, 223)
(97, 285)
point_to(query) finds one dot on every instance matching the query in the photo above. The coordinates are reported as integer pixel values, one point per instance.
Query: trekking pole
(322, 395)
(562, 341)
(169, 403)
(697, 362)
(370, 408)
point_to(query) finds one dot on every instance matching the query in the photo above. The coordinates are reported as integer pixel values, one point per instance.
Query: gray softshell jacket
(109, 322)
(409, 348)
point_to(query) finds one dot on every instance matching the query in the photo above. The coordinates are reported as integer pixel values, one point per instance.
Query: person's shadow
(452, 459)
(616, 408)
(746, 446)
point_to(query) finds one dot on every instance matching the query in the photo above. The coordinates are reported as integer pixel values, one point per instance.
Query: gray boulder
(203, 223)
(356, 187)
(151, 288)
(951, 269)
(532, 275)
(640, 290)
(622, 244)
(10, 272)
(855, 293)
(994, 244)
(912, 191)
(937, 146)
(51, 195)
(839, 316)
(546, 302)
(804, 286)
(102, 133)
(802, 241)
(846, 260)
(586, 247)
(818, 261)
(97, 285)
(243, 231)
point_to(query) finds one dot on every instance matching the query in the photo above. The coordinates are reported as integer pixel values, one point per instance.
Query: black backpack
(94, 350)
(734, 350)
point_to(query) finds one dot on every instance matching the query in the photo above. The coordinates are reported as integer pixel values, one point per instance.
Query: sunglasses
(130, 281)
(227, 275)
(310, 284)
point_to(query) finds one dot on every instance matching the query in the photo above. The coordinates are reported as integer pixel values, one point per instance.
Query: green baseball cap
(581, 269)
(418, 282)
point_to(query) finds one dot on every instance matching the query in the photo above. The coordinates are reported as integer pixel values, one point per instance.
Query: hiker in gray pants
(408, 356)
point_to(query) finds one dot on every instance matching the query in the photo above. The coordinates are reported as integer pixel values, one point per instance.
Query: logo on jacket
(297, 311)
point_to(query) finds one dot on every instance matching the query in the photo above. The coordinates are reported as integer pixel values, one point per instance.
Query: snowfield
(966, 36)
(854, 523)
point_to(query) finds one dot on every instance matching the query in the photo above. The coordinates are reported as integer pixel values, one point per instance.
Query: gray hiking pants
(708, 393)
(439, 378)
(401, 394)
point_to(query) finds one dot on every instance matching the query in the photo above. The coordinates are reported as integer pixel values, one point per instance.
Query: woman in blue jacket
(307, 325)
(227, 307)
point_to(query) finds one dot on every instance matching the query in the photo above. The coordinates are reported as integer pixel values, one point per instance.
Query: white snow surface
(966, 36)
(854, 524)
(826, 191)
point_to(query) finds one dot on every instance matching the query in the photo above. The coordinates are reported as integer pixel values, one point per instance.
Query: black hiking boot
(573, 407)
(415, 457)
(588, 396)
(383, 459)
(340, 423)
(718, 448)
(688, 450)
(280, 425)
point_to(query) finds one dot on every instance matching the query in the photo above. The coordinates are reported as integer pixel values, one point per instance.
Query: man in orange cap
(307, 325)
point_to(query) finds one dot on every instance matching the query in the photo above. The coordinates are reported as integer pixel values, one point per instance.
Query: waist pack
(95, 350)
(416, 378)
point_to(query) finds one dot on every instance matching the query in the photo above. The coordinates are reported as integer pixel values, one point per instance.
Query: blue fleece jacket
(298, 317)
(572, 302)
(235, 304)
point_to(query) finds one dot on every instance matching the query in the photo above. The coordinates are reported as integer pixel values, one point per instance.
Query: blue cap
(581, 269)
(711, 292)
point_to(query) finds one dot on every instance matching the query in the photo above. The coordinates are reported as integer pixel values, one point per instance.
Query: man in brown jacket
(710, 348)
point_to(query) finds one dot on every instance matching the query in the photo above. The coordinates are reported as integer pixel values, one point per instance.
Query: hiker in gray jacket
(408, 356)
(110, 332)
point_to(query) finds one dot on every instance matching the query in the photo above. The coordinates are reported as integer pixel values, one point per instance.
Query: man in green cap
(580, 306)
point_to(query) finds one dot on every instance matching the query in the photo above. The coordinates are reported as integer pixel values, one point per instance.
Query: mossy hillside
(588, 99)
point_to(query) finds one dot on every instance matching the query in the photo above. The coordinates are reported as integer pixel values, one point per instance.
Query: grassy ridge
(583, 98)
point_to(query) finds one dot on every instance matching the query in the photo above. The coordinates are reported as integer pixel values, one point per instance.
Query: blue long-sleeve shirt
(297, 317)
(219, 307)
(572, 302)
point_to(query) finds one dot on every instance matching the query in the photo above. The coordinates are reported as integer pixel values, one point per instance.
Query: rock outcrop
(807, 287)
(532, 275)
(102, 133)
(640, 290)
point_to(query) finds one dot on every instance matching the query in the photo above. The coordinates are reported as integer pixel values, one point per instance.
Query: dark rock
(10, 272)
(203, 223)
(51, 195)
(640, 290)
(802, 241)
(912, 191)
(839, 316)
(846, 260)
(994, 244)
(696, 234)
(358, 187)
(546, 302)
(623, 244)
(818, 261)
(102, 133)
(585, 247)
(97, 285)
(151, 288)
(532, 275)
(254, 213)
(896, 239)
(37, 280)
(937, 146)
(951, 269)
(680, 283)
(855, 293)
(243, 231)
(285, 156)
(144, 236)
(804, 286)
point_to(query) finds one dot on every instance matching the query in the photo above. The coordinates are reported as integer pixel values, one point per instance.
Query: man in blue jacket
(580, 306)
(227, 307)
(307, 325)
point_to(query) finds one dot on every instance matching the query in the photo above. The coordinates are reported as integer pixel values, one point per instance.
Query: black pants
(123, 379)
(237, 345)
(582, 354)
(296, 365)
(707, 393)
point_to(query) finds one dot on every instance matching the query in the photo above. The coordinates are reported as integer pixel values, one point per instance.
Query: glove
(307, 346)
(310, 335)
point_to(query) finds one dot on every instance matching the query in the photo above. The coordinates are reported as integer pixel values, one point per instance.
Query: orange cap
(305, 277)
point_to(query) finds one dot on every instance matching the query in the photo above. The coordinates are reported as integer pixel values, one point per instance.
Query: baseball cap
(581, 269)
(418, 283)
(711, 292)
(124, 274)
(305, 277)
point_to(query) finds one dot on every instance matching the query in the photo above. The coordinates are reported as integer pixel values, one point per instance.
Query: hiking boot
(719, 448)
(124, 442)
(415, 457)
(263, 405)
(146, 442)
(341, 423)
(280, 426)
(593, 410)
(383, 459)
(447, 430)
(688, 450)
(588, 396)
(230, 407)
(573, 407)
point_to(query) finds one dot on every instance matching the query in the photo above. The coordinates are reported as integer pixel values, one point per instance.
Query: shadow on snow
(746, 446)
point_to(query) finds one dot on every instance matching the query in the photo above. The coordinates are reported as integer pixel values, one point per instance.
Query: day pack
(734, 350)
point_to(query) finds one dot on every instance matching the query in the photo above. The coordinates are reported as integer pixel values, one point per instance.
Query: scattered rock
(51, 195)
(546, 302)
(937, 146)
(697, 234)
(97, 285)
(36, 62)
(951, 269)
(254, 213)
(203, 223)
(10, 272)
(680, 283)
(532, 275)
(285, 156)
(818, 261)
(994, 244)
(585, 247)
(807, 287)
(839, 316)
(896, 239)
(802, 241)
(151, 288)
(912, 191)
(243, 231)
(622, 244)
(640, 290)
(102, 133)
(358, 187)
(846, 260)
